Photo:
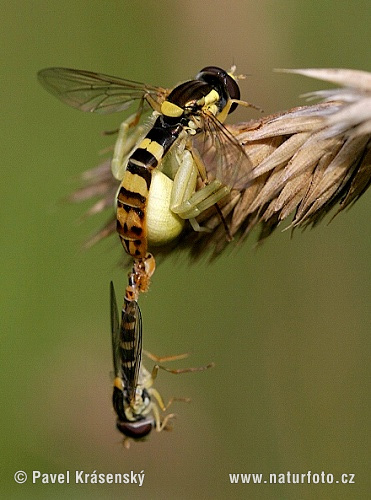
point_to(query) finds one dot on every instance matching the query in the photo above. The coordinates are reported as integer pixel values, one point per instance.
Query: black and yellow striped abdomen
(130, 344)
(209, 93)
(133, 193)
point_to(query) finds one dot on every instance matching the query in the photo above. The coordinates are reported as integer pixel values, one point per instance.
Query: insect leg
(180, 370)
(161, 425)
(184, 187)
(160, 402)
(140, 277)
(126, 142)
(184, 181)
(185, 200)
(164, 359)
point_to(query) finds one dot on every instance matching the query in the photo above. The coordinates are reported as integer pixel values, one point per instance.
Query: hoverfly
(159, 191)
(130, 334)
(136, 402)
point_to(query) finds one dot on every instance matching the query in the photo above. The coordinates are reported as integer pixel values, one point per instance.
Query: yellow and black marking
(131, 345)
(130, 400)
(192, 110)
(198, 106)
(126, 342)
(133, 193)
(210, 92)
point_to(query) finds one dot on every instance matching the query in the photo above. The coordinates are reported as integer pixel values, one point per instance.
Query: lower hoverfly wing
(126, 342)
(115, 333)
(95, 92)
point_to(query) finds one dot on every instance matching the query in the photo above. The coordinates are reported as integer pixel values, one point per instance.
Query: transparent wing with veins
(126, 362)
(95, 92)
(115, 333)
(223, 156)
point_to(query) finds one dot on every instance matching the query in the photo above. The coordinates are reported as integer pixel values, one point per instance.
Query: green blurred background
(287, 325)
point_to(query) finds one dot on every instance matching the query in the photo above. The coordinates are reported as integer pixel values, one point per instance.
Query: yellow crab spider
(172, 198)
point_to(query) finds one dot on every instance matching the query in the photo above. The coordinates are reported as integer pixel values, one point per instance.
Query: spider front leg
(185, 200)
(126, 142)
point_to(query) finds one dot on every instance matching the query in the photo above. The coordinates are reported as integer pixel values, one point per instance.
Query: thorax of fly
(141, 404)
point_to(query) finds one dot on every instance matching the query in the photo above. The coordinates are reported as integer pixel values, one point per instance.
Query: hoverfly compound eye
(136, 430)
(211, 74)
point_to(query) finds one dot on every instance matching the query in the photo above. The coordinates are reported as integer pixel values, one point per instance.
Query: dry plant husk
(305, 161)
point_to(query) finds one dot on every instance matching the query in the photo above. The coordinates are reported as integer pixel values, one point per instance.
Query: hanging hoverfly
(131, 324)
(207, 161)
(136, 402)
(136, 413)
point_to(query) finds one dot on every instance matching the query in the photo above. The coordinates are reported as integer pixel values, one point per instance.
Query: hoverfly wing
(115, 332)
(223, 156)
(131, 345)
(95, 92)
